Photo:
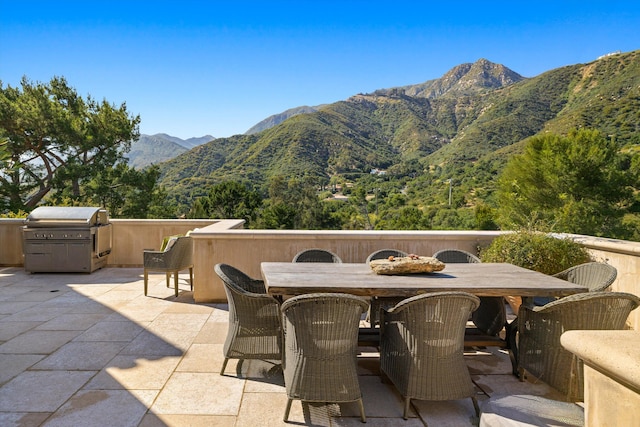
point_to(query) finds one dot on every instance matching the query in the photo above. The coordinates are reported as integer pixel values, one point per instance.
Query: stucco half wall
(246, 249)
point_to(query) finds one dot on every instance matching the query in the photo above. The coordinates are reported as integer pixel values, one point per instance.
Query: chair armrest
(154, 259)
(562, 275)
(524, 314)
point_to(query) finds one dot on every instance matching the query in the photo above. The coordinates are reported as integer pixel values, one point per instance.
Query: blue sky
(191, 68)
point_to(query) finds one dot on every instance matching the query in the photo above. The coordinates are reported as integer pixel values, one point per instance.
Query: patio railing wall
(226, 241)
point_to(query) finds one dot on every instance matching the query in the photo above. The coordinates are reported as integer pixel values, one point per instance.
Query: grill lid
(56, 216)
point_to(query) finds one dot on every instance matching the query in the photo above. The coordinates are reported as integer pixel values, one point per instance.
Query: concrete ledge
(603, 243)
(612, 353)
(611, 375)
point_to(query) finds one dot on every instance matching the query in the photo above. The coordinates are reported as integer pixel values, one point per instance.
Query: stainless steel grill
(66, 239)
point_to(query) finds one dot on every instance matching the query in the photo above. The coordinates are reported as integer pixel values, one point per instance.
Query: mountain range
(151, 149)
(463, 126)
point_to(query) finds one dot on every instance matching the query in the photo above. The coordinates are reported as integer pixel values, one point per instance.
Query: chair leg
(175, 281)
(224, 365)
(475, 406)
(363, 417)
(168, 277)
(146, 281)
(191, 277)
(511, 332)
(521, 374)
(407, 403)
(287, 409)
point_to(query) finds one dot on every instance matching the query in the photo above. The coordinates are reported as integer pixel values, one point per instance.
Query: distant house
(378, 172)
(617, 52)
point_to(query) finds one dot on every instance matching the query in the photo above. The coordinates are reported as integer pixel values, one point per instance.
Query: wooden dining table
(482, 279)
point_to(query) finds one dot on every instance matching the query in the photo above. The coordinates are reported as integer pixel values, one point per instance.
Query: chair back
(491, 316)
(422, 344)
(540, 328)
(316, 255)
(427, 318)
(597, 276)
(456, 256)
(179, 256)
(239, 280)
(321, 343)
(255, 328)
(241, 294)
(590, 310)
(385, 253)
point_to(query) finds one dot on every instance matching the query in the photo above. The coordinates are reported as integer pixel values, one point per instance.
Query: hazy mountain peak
(149, 149)
(276, 119)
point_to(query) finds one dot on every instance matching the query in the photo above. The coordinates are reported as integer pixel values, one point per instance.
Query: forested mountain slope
(461, 127)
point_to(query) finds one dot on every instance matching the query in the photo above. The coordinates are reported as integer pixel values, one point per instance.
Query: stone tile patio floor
(92, 350)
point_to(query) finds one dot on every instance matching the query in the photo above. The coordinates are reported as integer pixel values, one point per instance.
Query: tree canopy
(229, 199)
(579, 183)
(54, 140)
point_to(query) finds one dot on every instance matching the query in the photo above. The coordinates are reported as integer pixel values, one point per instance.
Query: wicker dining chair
(320, 348)
(377, 303)
(597, 276)
(491, 316)
(316, 255)
(255, 327)
(175, 257)
(457, 256)
(539, 348)
(422, 344)
(385, 254)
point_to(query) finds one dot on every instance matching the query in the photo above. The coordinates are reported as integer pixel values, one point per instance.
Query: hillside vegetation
(462, 127)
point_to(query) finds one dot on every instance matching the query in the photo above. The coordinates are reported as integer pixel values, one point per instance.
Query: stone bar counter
(611, 375)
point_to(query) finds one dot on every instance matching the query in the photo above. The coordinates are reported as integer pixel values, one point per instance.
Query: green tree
(127, 193)
(294, 204)
(349, 216)
(229, 199)
(577, 183)
(485, 217)
(278, 216)
(453, 219)
(5, 161)
(405, 218)
(57, 140)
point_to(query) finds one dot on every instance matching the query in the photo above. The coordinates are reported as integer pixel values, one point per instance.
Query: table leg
(511, 331)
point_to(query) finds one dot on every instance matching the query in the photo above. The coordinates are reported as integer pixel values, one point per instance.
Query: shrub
(19, 214)
(535, 251)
